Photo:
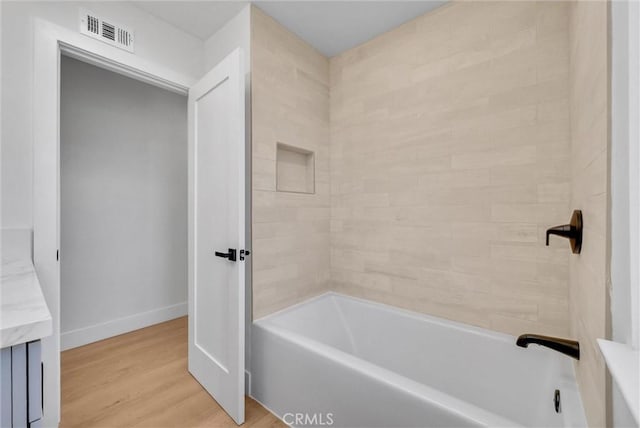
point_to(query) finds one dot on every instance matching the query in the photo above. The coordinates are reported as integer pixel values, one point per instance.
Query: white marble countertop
(24, 315)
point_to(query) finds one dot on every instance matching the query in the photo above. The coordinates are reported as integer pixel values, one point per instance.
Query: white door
(216, 226)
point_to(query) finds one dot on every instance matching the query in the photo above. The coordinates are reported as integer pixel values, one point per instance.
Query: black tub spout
(564, 346)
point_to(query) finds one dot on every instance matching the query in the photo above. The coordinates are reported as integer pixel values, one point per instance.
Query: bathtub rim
(443, 322)
(574, 417)
(435, 397)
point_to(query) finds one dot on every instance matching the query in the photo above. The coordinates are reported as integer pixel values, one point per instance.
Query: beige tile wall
(450, 156)
(589, 272)
(455, 141)
(290, 105)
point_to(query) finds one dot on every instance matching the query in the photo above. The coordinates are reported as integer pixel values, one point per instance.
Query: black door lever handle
(231, 255)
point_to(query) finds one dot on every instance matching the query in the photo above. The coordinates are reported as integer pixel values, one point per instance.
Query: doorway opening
(124, 238)
(123, 204)
(215, 127)
(123, 234)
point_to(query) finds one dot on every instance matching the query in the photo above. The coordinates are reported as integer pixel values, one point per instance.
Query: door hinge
(244, 253)
(57, 255)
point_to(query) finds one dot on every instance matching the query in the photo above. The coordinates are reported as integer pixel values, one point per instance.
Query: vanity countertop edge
(24, 314)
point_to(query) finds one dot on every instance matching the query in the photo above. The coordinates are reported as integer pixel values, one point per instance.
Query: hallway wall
(123, 203)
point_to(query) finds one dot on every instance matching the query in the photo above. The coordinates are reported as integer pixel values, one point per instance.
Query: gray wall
(123, 197)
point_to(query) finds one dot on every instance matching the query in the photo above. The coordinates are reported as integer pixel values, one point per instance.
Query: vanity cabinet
(21, 386)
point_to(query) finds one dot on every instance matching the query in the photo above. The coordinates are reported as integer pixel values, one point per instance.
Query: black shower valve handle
(563, 230)
(571, 231)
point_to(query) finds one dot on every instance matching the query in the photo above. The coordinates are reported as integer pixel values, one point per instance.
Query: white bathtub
(346, 362)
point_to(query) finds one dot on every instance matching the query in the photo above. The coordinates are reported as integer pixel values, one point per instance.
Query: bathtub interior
(480, 367)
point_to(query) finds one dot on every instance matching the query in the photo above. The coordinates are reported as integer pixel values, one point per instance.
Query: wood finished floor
(140, 379)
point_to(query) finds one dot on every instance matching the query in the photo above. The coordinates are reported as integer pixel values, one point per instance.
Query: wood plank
(140, 379)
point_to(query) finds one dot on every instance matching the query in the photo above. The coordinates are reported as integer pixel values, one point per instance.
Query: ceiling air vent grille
(106, 31)
(93, 24)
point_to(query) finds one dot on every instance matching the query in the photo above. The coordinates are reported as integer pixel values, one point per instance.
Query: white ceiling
(199, 18)
(330, 26)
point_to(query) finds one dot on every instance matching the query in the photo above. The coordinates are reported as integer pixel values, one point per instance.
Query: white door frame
(50, 42)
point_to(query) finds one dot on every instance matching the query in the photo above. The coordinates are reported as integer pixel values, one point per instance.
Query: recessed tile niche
(295, 169)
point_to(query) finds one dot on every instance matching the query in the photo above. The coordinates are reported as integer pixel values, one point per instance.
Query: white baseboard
(83, 336)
